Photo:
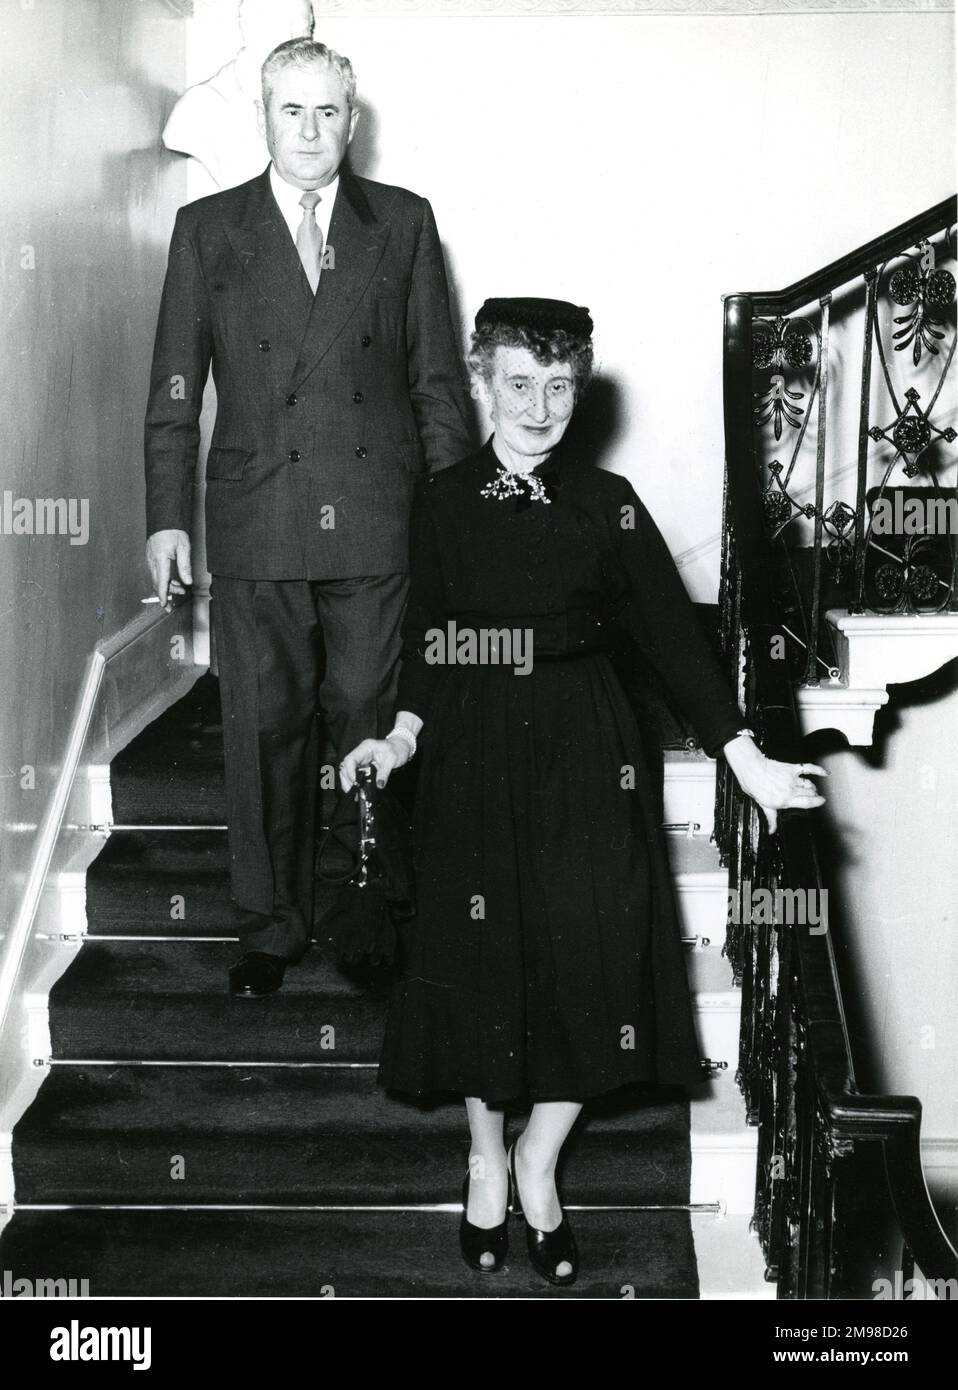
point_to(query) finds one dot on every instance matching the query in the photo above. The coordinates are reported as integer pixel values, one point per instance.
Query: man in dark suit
(321, 301)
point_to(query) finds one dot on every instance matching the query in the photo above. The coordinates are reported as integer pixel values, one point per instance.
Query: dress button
(365, 340)
(361, 452)
(294, 456)
(358, 397)
(291, 399)
(264, 345)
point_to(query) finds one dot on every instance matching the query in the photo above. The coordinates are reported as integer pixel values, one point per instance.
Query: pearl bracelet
(408, 737)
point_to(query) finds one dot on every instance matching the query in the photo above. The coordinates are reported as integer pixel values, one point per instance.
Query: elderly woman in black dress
(546, 933)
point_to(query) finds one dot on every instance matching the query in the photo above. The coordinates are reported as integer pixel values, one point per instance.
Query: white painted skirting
(49, 830)
(876, 650)
(128, 681)
(80, 726)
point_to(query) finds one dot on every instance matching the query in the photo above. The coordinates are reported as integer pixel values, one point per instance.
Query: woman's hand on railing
(773, 785)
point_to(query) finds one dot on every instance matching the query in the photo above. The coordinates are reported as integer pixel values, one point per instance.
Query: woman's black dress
(545, 961)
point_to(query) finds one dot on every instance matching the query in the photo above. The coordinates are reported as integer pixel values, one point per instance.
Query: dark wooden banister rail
(846, 268)
(892, 1121)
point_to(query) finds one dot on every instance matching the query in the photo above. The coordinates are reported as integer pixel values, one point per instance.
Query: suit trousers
(297, 659)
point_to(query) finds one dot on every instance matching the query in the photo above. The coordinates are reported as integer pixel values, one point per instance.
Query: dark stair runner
(106, 1132)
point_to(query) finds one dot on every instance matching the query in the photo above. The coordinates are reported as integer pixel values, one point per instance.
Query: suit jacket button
(294, 456)
(365, 340)
(358, 397)
(264, 345)
(291, 399)
(361, 451)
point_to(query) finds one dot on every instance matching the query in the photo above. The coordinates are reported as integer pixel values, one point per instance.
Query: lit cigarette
(174, 589)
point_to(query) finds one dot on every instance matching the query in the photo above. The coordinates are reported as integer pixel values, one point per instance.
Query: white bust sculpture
(215, 121)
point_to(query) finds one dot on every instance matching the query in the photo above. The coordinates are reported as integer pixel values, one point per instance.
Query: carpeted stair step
(172, 773)
(160, 883)
(349, 1254)
(274, 1135)
(169, 1001)
(258, 1135)
(165, 883)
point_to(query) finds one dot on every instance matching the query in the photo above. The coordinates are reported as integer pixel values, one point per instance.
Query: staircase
(185, 1143)
(823, 605)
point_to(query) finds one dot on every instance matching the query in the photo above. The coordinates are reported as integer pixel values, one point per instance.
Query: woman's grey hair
(546, 346)
(307, 53)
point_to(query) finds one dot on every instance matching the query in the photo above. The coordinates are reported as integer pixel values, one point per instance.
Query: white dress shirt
(287, 196)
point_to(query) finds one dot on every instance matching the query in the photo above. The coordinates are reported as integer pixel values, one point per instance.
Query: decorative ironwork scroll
(832, 548)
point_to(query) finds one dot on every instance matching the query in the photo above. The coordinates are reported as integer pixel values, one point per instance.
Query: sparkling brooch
(508, 483)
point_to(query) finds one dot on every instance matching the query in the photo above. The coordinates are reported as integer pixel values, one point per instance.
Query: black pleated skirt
(545, 961)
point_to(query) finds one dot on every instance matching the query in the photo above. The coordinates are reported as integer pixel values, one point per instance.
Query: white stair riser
(708, 970)
(35, 1035)
(729, 1257)
(717, 1020)
(717, 1106)
(689, 794)
(91, 800)
(723, 1170)
(703, 904)
(62, 908)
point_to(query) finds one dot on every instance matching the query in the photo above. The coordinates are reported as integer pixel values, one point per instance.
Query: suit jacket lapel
(269, 257)
(357, 241)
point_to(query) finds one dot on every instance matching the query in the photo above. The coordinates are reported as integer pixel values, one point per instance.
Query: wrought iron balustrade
(860, 490)
(840, 1194)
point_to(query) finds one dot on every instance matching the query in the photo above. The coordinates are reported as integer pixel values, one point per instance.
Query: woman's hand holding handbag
(376, 891)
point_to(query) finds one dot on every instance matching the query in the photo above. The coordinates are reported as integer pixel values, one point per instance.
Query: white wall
(645, 166)
(892, 818)
(894, 812)
(88, 201)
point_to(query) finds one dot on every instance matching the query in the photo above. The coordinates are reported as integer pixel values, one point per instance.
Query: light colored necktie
(309, 239)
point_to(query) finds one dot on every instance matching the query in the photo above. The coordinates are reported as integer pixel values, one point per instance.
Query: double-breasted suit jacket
(328, 406)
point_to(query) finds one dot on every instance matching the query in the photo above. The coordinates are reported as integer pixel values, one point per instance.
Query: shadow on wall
(853, 853)
(598, 421)
(364, 147)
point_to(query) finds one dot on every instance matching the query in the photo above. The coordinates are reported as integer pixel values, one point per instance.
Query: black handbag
(376, 894)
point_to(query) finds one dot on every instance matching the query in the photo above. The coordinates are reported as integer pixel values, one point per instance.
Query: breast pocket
(227, 464)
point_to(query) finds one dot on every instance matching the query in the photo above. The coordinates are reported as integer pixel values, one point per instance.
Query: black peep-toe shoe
(547, 1249)
(476, 1241)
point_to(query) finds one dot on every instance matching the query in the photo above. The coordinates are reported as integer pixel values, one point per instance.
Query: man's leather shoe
(256, 974)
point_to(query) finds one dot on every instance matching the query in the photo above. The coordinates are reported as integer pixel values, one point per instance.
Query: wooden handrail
(894, 1121)
(824, 281)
